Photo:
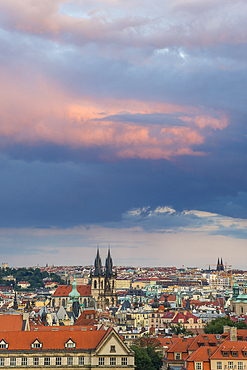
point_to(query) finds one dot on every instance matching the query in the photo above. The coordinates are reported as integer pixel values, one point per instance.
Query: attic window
(234, 354)
(70, 344)
(36, 344)
(113, 349)
(3, 344)
(225, 353)
(245, 353)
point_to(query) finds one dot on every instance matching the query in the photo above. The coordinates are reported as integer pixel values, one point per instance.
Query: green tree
(155, 357)
(178, 329)
(142, 359)
(216, 326)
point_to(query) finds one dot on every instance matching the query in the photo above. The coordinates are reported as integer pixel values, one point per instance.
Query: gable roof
(202, 354)
(181, 345)
(206, 339)
(64, 290)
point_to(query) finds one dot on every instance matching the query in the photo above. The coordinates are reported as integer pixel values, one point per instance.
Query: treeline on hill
(33, 276)
(216, 326)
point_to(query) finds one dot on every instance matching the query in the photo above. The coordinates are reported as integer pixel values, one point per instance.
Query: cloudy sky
(123, 121)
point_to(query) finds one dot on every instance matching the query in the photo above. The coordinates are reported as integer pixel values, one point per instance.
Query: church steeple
(97, 264)
(108, 264)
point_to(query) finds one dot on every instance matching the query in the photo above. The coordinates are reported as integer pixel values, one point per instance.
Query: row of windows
(58, 361)
(113, 361)
(36, 361)
(234, 353)
(230, 365)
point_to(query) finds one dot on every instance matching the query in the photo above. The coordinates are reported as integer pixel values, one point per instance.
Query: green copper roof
(74, 294)
(235, 285)
(245, 285)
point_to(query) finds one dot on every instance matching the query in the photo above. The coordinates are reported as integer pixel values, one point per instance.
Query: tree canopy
(216, 326)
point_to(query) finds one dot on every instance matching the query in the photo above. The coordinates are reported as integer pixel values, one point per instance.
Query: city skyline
(123, 122)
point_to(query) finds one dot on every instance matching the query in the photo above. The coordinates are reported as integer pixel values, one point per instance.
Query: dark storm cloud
(108, 108)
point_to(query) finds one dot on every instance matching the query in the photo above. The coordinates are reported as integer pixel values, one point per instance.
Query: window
(230, 364)
(177, 356)
(112, 361)
(240, 365)
(69, 360)
(24, 361)
(113, 349)
(47, 361)
(3, 344)
(124, 361)
(2, 361)
(37, 345)
(245, 353)
(36, 361)
(225, 353)
(198, 366)
(81, 360)
(234, 354)
(12, 361)
(219, 365)
(101, 361)
(70, 344)
(58, 361)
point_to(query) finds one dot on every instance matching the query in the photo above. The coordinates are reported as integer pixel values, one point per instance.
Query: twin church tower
(103, 282)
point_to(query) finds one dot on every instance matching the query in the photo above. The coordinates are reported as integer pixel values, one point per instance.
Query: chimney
(233, 333)
(226, 329)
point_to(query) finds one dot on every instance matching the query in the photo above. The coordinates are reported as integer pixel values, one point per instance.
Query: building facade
(65, 349)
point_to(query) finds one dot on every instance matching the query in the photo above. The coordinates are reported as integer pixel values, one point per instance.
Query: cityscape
(123, 184)
(109, 316)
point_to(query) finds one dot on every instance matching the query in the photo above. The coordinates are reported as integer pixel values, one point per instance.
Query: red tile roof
(202, 354)
(52, 339)
(227, 346)
(64, 290)
(11, 322)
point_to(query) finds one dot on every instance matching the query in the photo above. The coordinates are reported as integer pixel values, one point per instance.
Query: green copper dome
(235, 285)
(74, 294)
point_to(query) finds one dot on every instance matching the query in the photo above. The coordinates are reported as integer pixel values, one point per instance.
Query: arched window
(63, 302)
(95, 284)
(112, 284)
(102, 284)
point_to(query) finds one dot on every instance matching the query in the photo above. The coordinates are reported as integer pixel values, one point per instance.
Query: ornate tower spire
(97, 263)
(108, 263)
(221, 265)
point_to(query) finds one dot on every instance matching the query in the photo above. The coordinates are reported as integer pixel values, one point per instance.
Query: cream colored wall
(139, 284)
(123, 284)
(225, 363)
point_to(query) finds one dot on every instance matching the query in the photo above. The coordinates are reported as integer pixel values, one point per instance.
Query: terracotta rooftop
(64, 290)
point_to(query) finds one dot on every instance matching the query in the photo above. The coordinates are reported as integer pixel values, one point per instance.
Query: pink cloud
(42, 112)
(189, 24)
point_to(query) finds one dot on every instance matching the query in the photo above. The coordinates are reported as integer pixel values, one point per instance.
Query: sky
(123, 122)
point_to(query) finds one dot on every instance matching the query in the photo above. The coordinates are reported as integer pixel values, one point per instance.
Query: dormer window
(3, 344)
(225, 354)
(36, 344)
(70, 344)
(234, 354)
(245, 353)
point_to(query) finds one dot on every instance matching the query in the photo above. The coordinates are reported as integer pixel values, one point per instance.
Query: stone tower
(103, 282)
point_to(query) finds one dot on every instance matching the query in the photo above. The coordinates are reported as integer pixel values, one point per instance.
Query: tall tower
(110, 282)
(103, 282)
